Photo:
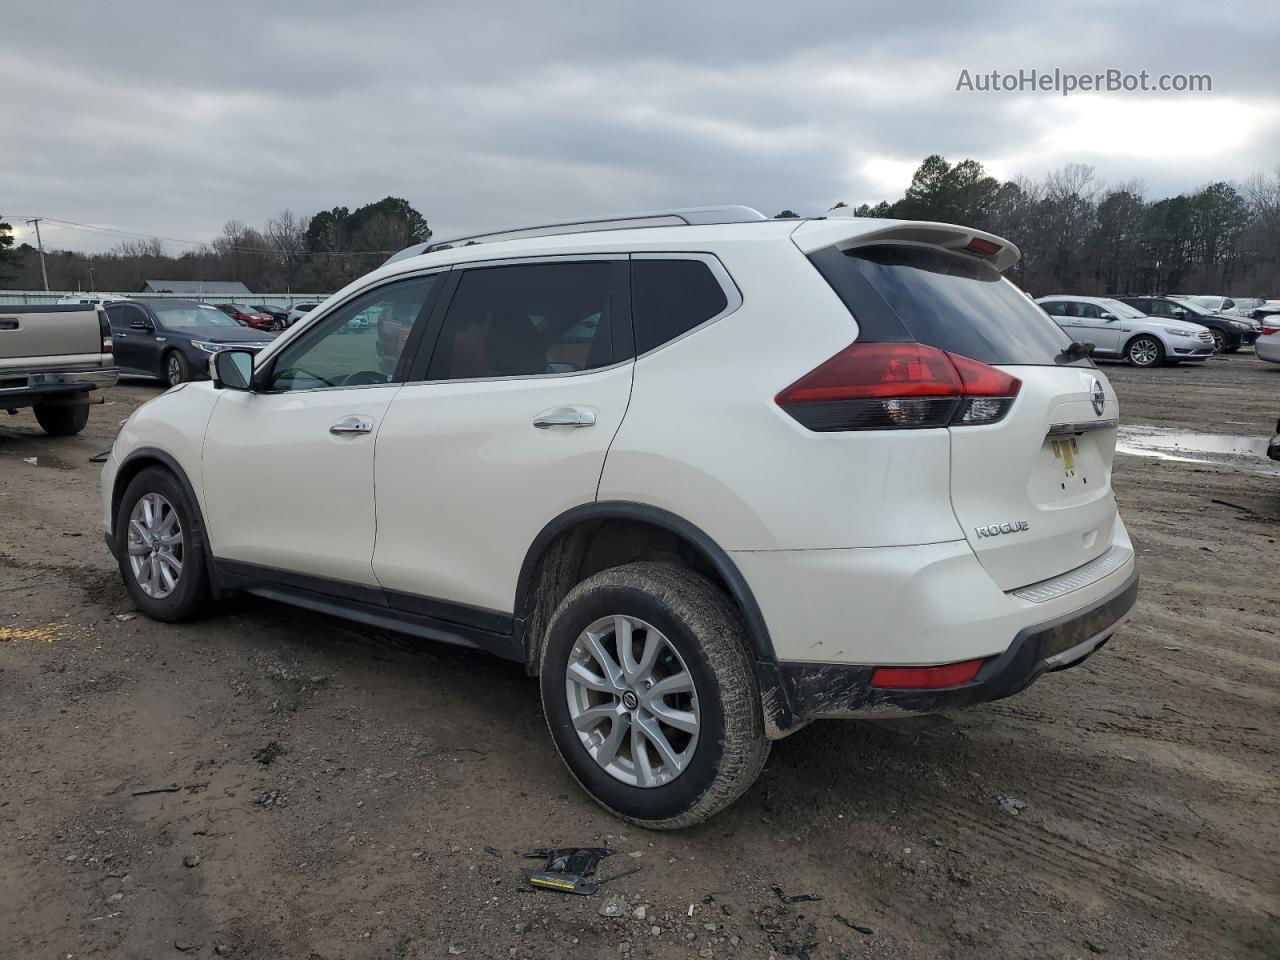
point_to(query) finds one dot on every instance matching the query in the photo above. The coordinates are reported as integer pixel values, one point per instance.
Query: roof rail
(681, 217)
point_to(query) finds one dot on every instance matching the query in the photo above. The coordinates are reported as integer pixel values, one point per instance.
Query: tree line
(1080, 235)
(1076, 233)
(314, 254)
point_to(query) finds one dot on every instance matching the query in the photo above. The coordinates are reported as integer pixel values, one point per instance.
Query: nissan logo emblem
(1099, 398)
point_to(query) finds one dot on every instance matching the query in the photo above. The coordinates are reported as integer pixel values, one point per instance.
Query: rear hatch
(44, 331)
(1030, 481)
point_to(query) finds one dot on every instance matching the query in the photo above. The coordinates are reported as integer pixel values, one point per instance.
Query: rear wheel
(1144, 351)
(61, 420)
(176, 368)
(650, 695)
(158, 547)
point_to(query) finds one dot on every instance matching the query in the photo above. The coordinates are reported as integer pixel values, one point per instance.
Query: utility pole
(40, 243)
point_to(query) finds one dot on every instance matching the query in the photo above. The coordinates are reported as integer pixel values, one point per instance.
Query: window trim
(262, 375)
(620, 306)
(732, 295)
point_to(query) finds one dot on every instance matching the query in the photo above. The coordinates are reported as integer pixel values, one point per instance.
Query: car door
(133, 338)
(1102, 332)
(288, 466)
(504, 425)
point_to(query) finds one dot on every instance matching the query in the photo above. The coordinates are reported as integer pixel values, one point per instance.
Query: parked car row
(1148, 331)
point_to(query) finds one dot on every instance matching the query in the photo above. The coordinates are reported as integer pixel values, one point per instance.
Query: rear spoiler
(846, 231)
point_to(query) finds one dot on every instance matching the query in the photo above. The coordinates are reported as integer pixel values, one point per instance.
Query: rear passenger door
(521, 383)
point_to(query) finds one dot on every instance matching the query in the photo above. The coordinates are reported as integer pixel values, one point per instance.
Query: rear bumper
(823, 690)
(28, 388)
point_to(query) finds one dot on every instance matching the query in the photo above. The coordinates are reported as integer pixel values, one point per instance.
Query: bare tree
(286, 235)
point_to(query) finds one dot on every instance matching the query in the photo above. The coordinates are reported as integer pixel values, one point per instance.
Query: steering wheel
(363, 377)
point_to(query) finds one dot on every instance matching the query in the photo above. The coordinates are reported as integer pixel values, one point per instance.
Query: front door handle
(565, 417)
(348, 426)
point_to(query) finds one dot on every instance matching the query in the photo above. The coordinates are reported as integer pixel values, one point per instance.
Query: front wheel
(1145, 352)
(158, 547)
(650, 695)
(176, 368)
(61, 420)
(1219, 341)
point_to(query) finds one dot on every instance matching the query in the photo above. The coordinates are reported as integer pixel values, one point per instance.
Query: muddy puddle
(1248, 453)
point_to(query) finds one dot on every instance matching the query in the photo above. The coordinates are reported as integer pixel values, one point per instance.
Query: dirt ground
(342, 794)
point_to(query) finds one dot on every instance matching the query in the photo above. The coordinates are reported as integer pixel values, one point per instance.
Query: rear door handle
(565, 417)
(349, 426)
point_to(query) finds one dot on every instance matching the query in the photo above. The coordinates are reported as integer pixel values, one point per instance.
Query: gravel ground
(331, 793)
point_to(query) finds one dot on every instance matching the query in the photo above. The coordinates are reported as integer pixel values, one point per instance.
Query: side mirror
(232, 369)
(140, 325)
(1108, 316)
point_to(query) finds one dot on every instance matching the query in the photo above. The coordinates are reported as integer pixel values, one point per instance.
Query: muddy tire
(690, 638)
(1144, 351)
(61, 420)
(159, 543)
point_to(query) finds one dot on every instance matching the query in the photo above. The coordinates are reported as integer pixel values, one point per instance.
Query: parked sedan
(249, 316)
(1229, 333)
(1118, 330)
(172, 340)
(278, 314)
(1267, 346)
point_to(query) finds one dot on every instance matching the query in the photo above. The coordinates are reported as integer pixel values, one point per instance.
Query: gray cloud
(170, 119)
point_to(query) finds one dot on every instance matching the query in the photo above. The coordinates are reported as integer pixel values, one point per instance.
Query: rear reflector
(886, 386)
(925, 678)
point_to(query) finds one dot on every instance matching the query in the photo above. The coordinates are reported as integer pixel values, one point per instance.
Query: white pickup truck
(52, 356)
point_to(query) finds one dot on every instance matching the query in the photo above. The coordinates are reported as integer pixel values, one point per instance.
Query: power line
(94, 228)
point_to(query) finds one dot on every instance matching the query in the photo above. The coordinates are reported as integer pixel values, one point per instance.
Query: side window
(1089, 310)
(1160, 308)
(116, 317)
(526, 320)
(360, 343)
(1056, 308)
(671, 297)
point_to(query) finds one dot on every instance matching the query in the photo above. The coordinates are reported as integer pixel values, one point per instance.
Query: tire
(702, 642)
(61, 420)
(1144, 351)
(1219, 340)
(188, 595)
(176, 368)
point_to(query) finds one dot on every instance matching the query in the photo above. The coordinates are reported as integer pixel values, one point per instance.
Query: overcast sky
(169, 119)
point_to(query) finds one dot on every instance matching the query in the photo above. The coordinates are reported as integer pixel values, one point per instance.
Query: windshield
(1193, 307)
(1122, 309)
(194, 317)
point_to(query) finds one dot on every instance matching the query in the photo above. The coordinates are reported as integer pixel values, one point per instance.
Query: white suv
(708, 476)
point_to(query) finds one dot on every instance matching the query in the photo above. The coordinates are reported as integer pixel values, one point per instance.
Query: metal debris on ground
(100, 457)
(493, 852)
(866, 931)
(568, 869)
(797, 898)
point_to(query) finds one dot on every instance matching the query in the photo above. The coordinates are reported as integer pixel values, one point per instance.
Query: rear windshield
(950, 301)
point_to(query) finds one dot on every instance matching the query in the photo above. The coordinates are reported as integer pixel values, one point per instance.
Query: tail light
(1268, 331)
(104, 328)
(886, 386)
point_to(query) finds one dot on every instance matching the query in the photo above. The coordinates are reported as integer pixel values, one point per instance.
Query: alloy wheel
(174, 368)
(1219, 341)
(1144, 352)
(155, 545)
(632, 701)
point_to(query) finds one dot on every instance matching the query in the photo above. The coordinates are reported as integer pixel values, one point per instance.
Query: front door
(524, 390)
(288, 468)
(133, 347)
(1103, 333)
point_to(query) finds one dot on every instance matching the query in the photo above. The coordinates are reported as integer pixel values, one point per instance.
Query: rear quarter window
(671, 297)
(950, 301)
